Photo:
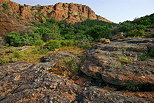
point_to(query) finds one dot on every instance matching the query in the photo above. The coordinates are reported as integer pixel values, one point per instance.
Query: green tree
(10, 38)
(54, 33)
(98, 32)
(135, 32)
(5, 6)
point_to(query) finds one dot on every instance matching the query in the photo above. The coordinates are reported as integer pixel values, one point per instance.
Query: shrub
(70, 64)
(147, 55)
(39, 50)
(53, 44)
(39, 43)
(5, 6)
(10, 38)
(98, 32)
(67, 42)
(2, 53)
(124, 59)
(68, 36)
(85, 46)
(22, 39)
(135, 32)
(4, 61)
(18, 54)
(12, 60)
(11, 50)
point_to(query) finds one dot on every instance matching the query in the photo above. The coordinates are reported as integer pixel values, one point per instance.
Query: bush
(5, 6)
(69, 65)
(68, 36)
(39, 50)
(11, 50)
(98, 32)
(10, 38)
(53, 44)
(4, 61)
(39, 43)
(12, 60)
(67, 42)
(22, 39)
(124, 59)
(18, 54)
(135, 32)
(147, 55)
(85, 46)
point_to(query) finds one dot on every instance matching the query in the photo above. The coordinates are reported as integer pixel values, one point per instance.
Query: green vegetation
(140, 27)
(88, 31)
(53, 35)
(98, 32)
(5, 6)
(124, 59)
(53, 44)
(147, 55)
(18, 54)
(68, 66)
(21, 39)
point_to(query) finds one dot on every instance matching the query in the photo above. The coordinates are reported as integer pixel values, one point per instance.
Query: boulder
(104, 41)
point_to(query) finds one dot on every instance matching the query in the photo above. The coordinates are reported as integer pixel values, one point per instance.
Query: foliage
(18, 54)
(4, 61)
(11, 50)
(137, 27)
(124, 59)
(147, 55)
(5, 6)
(39, 50)
(98, 32)
(84, 43)
(53, 44)
(39, 43)
(17, 39)
(67, 42)
(47, 34)
(69, 65)
(135, 32)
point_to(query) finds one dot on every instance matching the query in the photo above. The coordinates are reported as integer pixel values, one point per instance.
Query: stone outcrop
(61, 11)
(119, 63)
(29, 83)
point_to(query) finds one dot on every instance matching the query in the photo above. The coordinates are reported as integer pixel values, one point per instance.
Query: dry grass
(32, 54)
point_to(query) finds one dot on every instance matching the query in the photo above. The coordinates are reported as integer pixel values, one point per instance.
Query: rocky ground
(113, 73)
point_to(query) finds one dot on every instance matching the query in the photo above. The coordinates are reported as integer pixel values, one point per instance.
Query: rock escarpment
(61, 11)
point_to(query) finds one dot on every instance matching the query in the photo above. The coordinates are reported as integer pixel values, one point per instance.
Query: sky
(113, 10)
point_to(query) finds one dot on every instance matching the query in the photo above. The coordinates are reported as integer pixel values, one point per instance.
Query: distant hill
(14, 16)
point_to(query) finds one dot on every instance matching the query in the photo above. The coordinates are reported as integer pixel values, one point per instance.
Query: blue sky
(114, 10)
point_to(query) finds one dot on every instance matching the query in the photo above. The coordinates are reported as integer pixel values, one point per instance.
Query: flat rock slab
(29, 83)
(118, 63)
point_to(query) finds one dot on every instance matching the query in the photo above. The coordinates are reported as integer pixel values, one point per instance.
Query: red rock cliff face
(61, 11)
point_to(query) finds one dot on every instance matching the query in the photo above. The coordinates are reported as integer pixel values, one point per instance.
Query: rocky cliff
(27, 14)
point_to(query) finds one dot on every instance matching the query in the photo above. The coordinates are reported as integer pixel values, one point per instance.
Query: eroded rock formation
(61, 11)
